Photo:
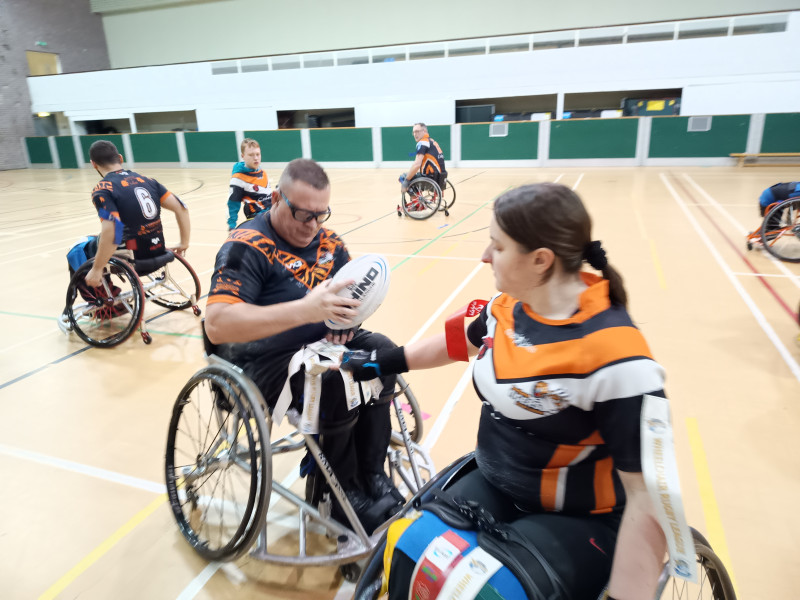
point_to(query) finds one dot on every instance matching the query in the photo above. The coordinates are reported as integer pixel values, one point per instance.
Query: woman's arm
(641, 545)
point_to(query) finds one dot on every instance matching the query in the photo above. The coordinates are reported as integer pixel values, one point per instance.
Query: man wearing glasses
(270, 294)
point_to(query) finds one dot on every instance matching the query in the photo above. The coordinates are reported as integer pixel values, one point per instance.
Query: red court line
(737, 250)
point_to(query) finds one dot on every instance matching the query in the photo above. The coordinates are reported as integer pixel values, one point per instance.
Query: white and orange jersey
(562, 401)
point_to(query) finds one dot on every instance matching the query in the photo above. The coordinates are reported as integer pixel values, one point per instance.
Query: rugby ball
(371, 275)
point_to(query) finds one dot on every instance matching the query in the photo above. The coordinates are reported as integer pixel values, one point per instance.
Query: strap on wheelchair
(144, 266)
(495, 538)
(316, 358)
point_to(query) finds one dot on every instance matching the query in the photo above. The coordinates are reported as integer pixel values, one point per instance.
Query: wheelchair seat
(145, 266)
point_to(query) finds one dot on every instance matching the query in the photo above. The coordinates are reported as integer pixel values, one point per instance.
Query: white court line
(31, 339)
(759, 316)
(778, 275)
(447, 409)
(741, 229)
(67, 465)
(577, 183)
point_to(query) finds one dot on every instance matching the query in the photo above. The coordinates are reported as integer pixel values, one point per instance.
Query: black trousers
(353, 441)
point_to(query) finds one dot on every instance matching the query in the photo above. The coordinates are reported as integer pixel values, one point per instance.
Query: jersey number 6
(149, 208)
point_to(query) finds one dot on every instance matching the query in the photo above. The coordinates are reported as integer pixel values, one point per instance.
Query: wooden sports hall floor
(83, 431)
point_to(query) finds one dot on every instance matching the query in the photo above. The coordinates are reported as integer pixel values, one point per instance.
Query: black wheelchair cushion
(145, 266)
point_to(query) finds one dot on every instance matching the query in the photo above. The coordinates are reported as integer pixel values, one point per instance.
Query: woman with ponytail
(562, 373)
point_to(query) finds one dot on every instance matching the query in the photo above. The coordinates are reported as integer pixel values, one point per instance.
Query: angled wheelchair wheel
(174, 286)
(218, 464)
(107, 315)
(448, 195)
(714, 583)
(422, 198)
(780, 231)
(411, 414)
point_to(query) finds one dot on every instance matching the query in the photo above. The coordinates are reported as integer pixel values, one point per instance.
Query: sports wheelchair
(779, 233)
(425, 196)
(714, 583)
(223, 484)
(107, 315)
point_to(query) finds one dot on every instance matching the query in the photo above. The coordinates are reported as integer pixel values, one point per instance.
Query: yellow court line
(714, 531)
(95, 555)
(657, 265)
(433, 262)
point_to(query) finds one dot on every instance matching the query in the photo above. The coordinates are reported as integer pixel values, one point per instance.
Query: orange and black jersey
(562, 401)
(432, 156)
(252, 189)
(256, 266)
(133, 203)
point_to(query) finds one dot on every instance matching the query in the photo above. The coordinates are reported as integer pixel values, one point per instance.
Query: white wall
(212, 30)
(721, 75)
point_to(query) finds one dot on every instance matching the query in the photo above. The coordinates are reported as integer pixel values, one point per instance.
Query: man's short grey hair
(305, 170)
(425, 127)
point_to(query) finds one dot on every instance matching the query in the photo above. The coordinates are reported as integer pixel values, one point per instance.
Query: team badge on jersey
(543, 399)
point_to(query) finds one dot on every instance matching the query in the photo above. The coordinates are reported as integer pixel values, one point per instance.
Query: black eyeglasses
(304, 216)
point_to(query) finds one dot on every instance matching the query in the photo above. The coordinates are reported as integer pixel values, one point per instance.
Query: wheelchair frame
(712, 573)
(424, 197)
(782, 242)
(159, 286)
(238, 412)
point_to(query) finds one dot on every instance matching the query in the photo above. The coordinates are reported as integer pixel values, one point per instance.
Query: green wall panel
(66, 152)
(211, 146)
(155, 147)
(39, 151)
(781, 133)
(88, 140)
(521, 143)
(594, 138)
(398, 143)
(282, 145)
(338, 145)
(669, 137)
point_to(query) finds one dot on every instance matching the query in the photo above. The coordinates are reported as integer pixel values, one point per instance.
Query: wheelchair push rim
(108, 315)
(422, 199)
(174, 286)
(780, 231)
(218, 465)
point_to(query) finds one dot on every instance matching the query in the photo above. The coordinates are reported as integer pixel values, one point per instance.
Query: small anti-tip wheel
(351, 572)
(147, 338)
(446, 213)
(196, 310)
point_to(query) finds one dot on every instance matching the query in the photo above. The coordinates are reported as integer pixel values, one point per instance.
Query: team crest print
(543, 399)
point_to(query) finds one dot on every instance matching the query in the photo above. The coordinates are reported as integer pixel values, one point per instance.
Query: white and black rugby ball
(371, 275)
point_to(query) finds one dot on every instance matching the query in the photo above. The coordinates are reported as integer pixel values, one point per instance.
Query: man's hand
(94, 278)
(322, 303)
(180, 249)
(340, 336)
(403, 182)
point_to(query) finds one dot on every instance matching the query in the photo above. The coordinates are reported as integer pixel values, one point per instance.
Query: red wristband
(454, 330)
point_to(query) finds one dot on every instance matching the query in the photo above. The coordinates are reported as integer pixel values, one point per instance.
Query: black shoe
(371, 513)
(379, 485)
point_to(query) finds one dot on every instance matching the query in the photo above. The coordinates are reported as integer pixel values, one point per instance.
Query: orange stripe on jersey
(161, 200)
(254, 239)
(604, 495)
(223, 299)
(568, 357)
(549, 488)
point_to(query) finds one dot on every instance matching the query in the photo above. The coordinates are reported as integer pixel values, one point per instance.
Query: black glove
(366, 365)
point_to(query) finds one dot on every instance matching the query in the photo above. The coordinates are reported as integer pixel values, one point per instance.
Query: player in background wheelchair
(566, 381)
(271, 294)
(779, 232)
(424, 188)
(129, 206)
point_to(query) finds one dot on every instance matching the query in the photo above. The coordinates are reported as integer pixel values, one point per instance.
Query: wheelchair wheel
(780, 231)
(174, 286)
(218, 464)
(422, 198)
(714, 583)
(107, 315)
(448, 195)
(412, 418)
